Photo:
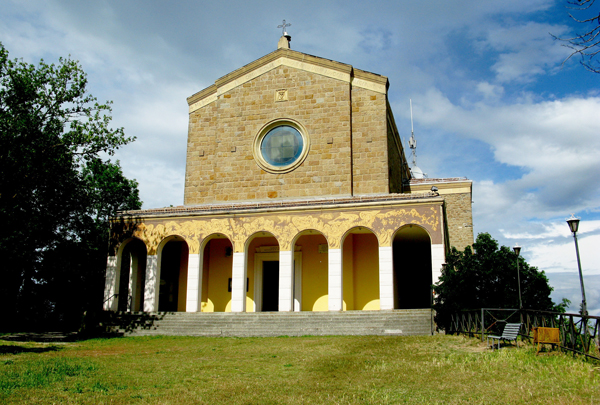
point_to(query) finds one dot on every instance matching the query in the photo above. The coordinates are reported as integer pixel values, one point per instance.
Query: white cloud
(526, 50)
(490, 91)
(555, 142)
(559, 255)
(567, 285)
(555, 230)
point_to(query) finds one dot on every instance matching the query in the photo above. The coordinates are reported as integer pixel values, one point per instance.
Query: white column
(335, 280)
(386, 277)
(238, 282)
(286, 281)
(438, 257)
(297, 281)
(194, 284)
(110, 284)
(132, 281)
(152, 284)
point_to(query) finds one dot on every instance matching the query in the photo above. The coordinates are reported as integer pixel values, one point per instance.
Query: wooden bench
(511, 331)
(542, 336)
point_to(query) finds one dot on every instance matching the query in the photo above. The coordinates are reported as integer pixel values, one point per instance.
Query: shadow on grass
(108, 324)
(41, 337)
(99, 325)
(21, 349)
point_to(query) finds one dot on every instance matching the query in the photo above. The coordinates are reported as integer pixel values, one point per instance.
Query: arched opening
(310, 275)
(360, 261)
(262, 284)
(217, 260)
(412, 268)
(172, 289)
(132, 275)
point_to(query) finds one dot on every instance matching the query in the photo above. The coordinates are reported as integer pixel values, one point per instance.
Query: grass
(358, 370)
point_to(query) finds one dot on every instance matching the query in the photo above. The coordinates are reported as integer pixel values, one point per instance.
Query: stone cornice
(286, 205)
(445, 186)
(294, 59)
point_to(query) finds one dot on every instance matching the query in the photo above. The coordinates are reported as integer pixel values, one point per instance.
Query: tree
(485, 276)
(56, 193)
(586, 44)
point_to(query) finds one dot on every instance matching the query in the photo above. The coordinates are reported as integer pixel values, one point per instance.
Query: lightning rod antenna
(412, 142)
(415, 172)
(412, 129)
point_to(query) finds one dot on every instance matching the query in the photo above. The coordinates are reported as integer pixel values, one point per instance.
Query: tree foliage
(586, 43)
(485, 276)
(56, 192)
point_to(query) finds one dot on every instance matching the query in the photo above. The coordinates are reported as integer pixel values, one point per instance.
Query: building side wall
(369, 142)
(459, 216)
(395, 162)
(220, 162)
(201, 152)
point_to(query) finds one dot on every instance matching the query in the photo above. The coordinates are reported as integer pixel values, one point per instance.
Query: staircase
(245, 324)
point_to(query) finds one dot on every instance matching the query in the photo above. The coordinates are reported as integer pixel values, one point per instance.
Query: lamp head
(517, 249)
(573, 223)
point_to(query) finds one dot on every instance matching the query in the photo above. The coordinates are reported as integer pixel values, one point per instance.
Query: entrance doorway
(266, 282)
(412, 268)
(132, 276)
(172, 289)
(270, 286)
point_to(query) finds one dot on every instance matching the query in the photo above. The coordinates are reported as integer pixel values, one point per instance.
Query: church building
(298, 197)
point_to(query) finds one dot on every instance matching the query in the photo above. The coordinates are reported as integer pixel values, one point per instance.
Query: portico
(298, 197)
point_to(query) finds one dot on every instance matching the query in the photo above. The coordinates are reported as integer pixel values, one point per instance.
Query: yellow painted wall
(314, 273)
(183, 273)
(360, 260)
(366, 272)
(216, 274)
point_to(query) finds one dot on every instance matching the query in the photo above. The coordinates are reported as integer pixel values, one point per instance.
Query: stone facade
(337, 225)
(346, 125)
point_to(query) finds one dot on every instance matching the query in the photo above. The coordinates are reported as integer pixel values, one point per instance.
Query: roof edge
(330, 68)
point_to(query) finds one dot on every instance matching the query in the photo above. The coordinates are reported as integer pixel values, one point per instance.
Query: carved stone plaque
(281, 95)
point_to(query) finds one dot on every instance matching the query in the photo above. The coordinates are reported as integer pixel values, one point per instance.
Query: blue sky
(492, 99)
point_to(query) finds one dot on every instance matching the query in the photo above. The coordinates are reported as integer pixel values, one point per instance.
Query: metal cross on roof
(282, 26)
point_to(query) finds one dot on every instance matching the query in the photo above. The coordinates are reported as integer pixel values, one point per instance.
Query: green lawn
(365, 370)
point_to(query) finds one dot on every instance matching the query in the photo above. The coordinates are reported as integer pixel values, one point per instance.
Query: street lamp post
(574, 225)
(517, 250)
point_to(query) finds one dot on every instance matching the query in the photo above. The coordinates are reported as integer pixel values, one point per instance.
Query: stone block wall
(396, 162)
(347, 128)
(224, 132)
(460, 219)
(369, 142)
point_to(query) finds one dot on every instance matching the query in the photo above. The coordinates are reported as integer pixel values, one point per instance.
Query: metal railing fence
(578, 334)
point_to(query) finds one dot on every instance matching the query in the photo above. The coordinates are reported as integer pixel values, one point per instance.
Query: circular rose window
(280, 146)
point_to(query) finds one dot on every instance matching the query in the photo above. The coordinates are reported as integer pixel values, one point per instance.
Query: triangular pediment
(293, 59)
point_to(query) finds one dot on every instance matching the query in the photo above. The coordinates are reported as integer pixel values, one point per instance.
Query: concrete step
(396, 322)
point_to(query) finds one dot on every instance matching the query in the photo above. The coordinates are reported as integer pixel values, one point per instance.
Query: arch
(171, 274)
(311, 273)
(411, 250)
(216, 262)
(131, 274)
(360, 264)
(262, 270)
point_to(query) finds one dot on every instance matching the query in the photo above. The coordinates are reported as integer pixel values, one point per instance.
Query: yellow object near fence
(543, 336)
